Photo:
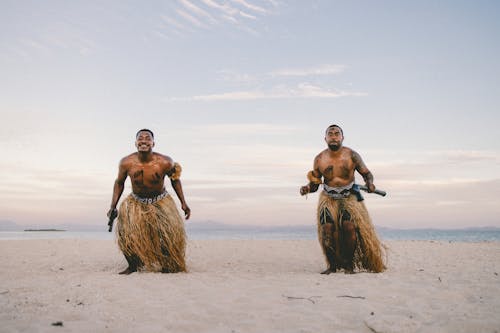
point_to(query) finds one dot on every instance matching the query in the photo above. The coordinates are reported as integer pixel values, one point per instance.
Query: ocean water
(278, 233)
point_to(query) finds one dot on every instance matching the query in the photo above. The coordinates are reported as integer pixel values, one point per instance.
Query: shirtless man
(150, 230)
(345, 231)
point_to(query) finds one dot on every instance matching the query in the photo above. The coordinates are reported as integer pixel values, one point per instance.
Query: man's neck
(337, 152)
(145, 157)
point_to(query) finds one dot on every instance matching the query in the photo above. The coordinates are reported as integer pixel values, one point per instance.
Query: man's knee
(326, 219)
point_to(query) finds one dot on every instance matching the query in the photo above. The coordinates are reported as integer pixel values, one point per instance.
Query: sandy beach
(248, 286)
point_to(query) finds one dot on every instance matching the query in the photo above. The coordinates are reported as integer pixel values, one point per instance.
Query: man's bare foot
(128, 271)
(328, 271)
(349, 270)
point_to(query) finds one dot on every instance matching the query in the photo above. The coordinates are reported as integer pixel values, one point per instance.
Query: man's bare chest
(151, 173)
(336, 167)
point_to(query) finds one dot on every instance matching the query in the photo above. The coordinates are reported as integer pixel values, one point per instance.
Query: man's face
(144, 142)
(334, 138)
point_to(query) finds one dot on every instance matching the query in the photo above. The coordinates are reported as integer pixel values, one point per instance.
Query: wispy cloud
(175, 25)
(314, 71)
(204, 14)
(196, 10)
(250, 6)
(191, 19)
(225, 130)
(327, 69)
(303, 90)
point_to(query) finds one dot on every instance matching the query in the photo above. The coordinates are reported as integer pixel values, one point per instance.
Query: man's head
(144, 140)
(334, 136)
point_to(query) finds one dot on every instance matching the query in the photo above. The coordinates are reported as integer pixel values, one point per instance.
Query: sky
(240, 92)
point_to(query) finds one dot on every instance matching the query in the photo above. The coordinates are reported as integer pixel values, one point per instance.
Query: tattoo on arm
(368, 177)
(361, 168)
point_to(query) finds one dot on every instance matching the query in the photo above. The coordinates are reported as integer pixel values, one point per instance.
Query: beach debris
(310, 299)
(372, 313)
(421, 270)
(496, 273)
(57, 323)
(349, 296)
(61, 269)
(67, 300)
(439, 278)
(3, 292)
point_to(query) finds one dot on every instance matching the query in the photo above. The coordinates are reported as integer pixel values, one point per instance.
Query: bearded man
(345, 231)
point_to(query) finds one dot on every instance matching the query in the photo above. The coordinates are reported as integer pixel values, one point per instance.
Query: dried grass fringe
(370, 252)
(154, 233)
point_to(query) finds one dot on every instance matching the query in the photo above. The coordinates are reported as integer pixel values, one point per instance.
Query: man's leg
(133, 263)
(329, 235)
(349, 242)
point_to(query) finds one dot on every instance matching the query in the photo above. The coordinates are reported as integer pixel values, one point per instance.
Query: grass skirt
(153, 234)
(369, 254)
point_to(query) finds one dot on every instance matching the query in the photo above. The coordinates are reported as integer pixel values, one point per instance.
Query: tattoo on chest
(345, 170)
(156, 178)
(328, 172)
(138, 178)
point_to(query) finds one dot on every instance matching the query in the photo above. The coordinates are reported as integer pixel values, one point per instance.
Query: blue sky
(240, 92)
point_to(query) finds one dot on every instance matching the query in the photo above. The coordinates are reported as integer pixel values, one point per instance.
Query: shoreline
(249, 286)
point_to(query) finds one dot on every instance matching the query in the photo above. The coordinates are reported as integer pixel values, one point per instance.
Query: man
(150, 230)
(345, 231)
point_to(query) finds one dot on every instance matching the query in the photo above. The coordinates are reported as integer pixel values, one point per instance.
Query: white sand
(248, 286)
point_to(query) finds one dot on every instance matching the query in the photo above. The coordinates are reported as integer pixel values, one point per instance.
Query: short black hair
(334, 125)
(145, 130)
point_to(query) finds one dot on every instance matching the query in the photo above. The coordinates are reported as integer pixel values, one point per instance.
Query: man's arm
(314, 177)
(174, 173)
(360, 166)
(177, 185)
(118, 186)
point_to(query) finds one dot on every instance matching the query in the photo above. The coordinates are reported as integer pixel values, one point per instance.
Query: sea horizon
(219, 231)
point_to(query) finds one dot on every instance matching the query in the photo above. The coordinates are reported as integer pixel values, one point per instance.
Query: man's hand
(304, 190)
(371, 187)
(112, 214)
(187, 211)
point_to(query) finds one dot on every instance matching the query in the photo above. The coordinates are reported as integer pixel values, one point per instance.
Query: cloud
(250, 6)
(175, 25)
(207, 13)
(198, 11)
(190, 18)
(327, 69)
(320, 70)
(224, 130)
(277, 91)
(302, 90)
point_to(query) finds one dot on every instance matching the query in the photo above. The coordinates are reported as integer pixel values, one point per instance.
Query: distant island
(44, 230)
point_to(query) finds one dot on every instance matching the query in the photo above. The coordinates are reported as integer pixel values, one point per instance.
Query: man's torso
(147, 177)
(337, 169)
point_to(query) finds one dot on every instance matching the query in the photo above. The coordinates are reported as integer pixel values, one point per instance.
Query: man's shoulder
(347, 150)
(321, 154)
(162, 157)
(129, 158)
